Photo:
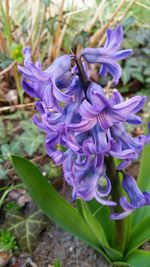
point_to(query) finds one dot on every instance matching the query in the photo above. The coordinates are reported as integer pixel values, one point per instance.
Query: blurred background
(52, 28)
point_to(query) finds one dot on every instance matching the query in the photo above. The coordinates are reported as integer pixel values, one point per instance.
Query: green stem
(121, 226)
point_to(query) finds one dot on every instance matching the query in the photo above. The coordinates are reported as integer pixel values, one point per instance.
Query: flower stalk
(82, 75)
(119, 239)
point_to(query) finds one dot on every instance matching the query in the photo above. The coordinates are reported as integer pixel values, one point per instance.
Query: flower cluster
(83, 125)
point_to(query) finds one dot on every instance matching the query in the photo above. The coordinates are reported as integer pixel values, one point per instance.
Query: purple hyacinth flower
(137, 198)
(54, 124)
(99, 109)
(84, 174)
(108, 55)
(44, 84)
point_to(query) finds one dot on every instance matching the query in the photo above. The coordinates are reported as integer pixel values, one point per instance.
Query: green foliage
(7, 241)
(139, 258)
(30, 139)
(16, 52)
(26, 229)
(88, 228)
(93, 223)
(4, 61)
(137, 66)
(26, 141)
(53, 170)
(12, 206)
(51, 203)
(99, 233)
(144, 185)
(57, 263)
(139, 234)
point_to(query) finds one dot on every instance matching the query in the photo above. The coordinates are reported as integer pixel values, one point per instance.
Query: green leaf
(31, 141)
(126, 75)
(93, 223)
(138, 75)
(144, 185)
(121, 264)
(139, 258)
(103, 216)
(98, 231)
(51, 203)
(139, 235)
(26, 230)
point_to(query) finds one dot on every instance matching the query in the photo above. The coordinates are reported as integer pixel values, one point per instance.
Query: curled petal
(113, 68)
(82, 126)
(128, 107)
(120, 216)
(135, 195)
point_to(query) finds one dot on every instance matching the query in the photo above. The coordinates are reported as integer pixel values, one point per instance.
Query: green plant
(5, 61)
(26, 142)
(57, 263)
(92, 226)
(26, 229)
(7, 241)
(137, 67)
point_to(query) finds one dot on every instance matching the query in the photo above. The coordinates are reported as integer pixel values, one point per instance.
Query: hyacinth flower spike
(137, 198)
(83, 126)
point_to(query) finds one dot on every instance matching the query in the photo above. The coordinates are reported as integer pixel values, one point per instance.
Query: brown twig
(8, 68)
(16, 106)
(7, 11)
(3, 45)
(118, 21)
(60, 40)
(95, 38)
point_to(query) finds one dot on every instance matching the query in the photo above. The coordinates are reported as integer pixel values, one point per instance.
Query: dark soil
(59, 245)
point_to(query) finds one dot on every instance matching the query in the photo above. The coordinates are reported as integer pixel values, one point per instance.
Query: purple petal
(87, 111)
(123, 110)
(114, 39)
(60, 95)
(60, 66)
(28, 89)
(113, 68)
(120, 216)
(83, 126)
(136, 196)
(119, 55)
(124, 154)
(124, 164)
(133, 119)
